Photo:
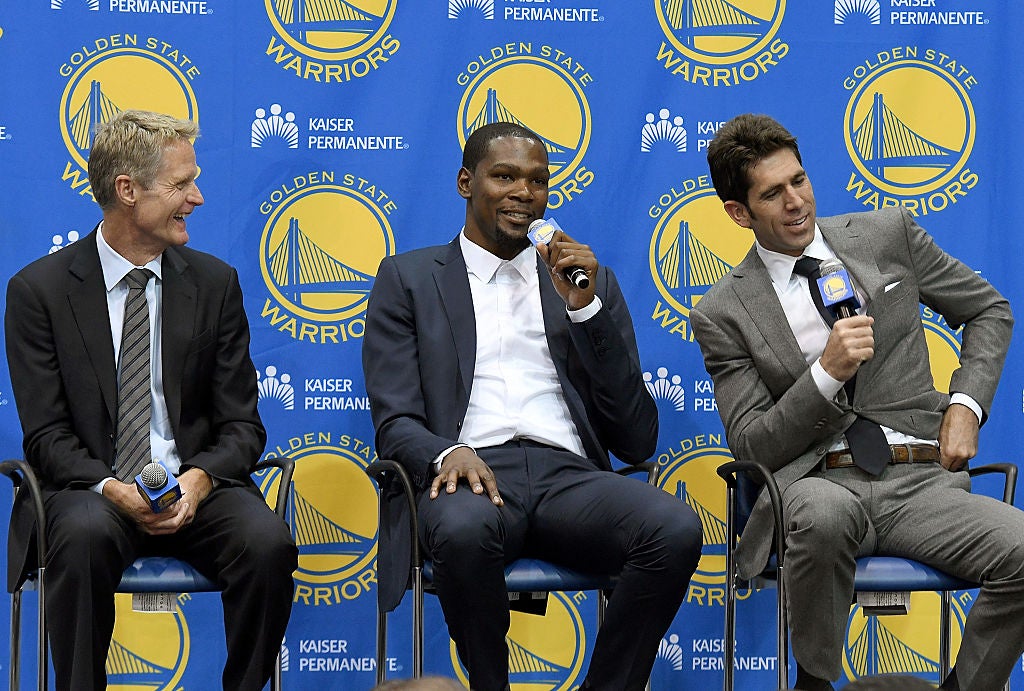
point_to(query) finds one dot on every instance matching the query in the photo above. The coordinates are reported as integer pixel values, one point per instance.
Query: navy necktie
(868, 445)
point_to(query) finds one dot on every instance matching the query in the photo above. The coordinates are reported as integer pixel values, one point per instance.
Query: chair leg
(783, 634)
(945, 620)
(417, 622)
(275, 678)
(382, 643)
(15, 659)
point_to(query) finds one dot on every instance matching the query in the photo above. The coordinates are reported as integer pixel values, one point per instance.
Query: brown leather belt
(900, 453)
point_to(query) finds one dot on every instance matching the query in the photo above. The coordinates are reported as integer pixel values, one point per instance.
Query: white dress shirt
(115, 268)
(812, 332)
(516, 393)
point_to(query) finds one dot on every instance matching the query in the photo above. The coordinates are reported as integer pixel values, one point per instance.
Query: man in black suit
(64, 323)
(501, 386)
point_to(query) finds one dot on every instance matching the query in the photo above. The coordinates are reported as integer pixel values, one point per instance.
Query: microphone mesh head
(153, 475)
(830, 266)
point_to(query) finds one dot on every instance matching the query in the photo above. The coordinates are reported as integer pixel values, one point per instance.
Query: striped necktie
(132, 451)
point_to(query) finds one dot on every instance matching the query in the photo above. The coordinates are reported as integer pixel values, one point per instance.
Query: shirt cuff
(964, 399)
(98, 487)
(584, 313)
(436, 463)
(828, 386)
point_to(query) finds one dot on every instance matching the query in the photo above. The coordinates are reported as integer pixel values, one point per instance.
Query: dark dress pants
(235, 539)
(561, 508)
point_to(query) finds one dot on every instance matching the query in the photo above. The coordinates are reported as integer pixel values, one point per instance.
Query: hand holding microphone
(543, 232)
(852, 341)
(158, 487)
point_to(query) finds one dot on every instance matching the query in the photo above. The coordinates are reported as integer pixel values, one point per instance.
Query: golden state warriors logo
(539, 87)
(331, 41)
(149, 650)
(545, 653)
(910, 129)
(904, 644)
(322, 242)
(694, 244)
(943, 347)
(720, 42)
(332, 514)
(116, 73)
(689, 472)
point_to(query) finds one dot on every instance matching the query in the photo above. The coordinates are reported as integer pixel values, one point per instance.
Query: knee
(678, 537)
(272, 553)
(830, 526)
(465, 539)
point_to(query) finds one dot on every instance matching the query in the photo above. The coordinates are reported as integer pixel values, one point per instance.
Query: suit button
(820, 450)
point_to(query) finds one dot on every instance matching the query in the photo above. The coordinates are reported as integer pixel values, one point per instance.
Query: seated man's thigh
(464, 521)
(82, 524)
(818, 508)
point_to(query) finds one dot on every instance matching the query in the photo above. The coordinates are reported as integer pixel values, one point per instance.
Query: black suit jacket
(419, 354)
(61, 359)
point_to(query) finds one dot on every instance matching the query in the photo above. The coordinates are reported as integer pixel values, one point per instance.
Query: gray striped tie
(133, 392)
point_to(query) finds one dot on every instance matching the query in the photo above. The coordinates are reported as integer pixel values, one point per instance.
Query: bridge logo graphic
(545, 653)
(538, 93)
(102, 85)
(720, 42)
(319, 252)
(331, 40)
(332, 512)
(943, 347)
(688, 472)
(907, 644)
(909, 130)
(694, 244)
(149, 650)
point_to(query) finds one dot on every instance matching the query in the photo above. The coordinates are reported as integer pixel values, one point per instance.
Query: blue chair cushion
(164, 575)
(536, 575)
(898, 574)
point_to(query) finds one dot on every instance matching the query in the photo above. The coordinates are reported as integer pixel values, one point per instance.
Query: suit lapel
(457, 305)
(87, 296)
(179, 314)
(854, 249)
(753, 287)
(555, 328)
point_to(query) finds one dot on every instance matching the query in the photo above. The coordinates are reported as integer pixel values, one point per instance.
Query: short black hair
(480, 140)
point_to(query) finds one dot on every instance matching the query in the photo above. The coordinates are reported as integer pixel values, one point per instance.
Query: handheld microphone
(836, 289)
(540, 233)
(157, 486)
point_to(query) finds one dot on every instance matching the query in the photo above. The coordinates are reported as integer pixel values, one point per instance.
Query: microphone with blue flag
(836, 289)
(157, 486)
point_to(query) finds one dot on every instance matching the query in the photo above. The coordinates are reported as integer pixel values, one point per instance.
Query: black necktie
(133, 389)
(868, 445)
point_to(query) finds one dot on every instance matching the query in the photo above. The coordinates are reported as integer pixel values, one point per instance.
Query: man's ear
(125, 190)
(739, 213)
(464, 183)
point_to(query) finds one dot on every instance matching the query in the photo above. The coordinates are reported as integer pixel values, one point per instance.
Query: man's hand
(562, 253)
(851, 344)
(463, 463)
(958, 437)
(129, 502)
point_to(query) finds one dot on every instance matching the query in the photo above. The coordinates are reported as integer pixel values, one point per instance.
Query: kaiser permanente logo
(541, 87)
(332, 516)
(909, 129)
(140, 6)
(907, 13)
(331, 41)
(694, 243)
(524, 11)
(103, 78)
(720, 43)
(277, 128)
(324, 236)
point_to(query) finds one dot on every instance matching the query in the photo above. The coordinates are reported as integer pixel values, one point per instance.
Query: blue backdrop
(331, 137)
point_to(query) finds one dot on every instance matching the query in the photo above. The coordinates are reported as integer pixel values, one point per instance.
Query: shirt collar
(780, 266)
(484, 265)
(115, 267)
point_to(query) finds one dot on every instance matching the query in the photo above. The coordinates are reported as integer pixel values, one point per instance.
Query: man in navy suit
(64, 322)
(502, 387)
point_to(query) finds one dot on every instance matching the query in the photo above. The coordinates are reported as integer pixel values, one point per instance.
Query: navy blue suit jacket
(419, 353)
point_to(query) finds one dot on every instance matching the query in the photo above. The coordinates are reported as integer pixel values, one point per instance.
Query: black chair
(875, 574)
(525, 579)
(144, 575)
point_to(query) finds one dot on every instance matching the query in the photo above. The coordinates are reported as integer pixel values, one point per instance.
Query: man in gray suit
(784, 380)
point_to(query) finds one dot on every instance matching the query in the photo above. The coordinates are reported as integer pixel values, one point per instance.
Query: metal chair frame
(521, 576)
(183, 579)
(874, 573)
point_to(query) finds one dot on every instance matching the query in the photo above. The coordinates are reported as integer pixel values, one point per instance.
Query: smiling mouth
(798, 222)
(518, 216)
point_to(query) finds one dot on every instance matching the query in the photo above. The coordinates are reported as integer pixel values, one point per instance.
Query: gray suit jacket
(769, 404)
